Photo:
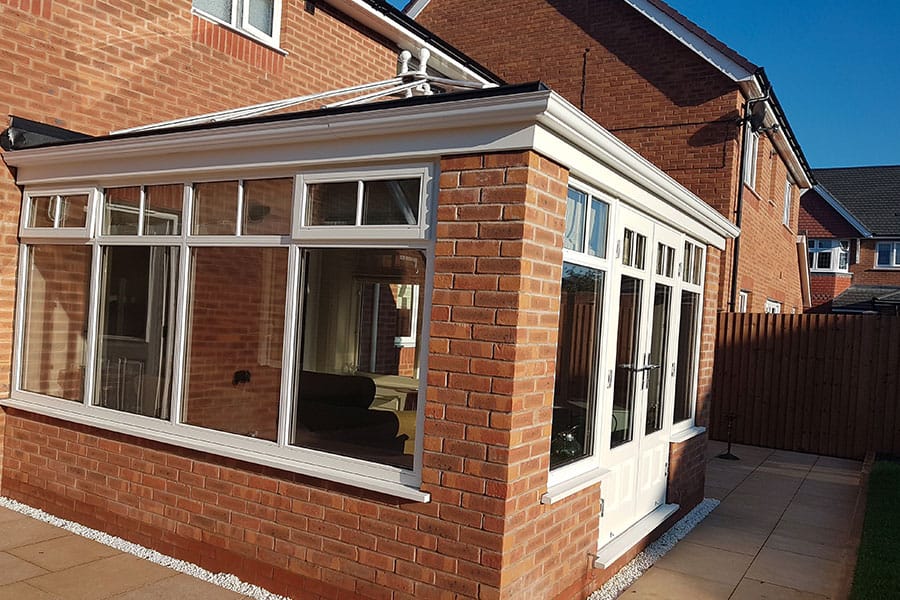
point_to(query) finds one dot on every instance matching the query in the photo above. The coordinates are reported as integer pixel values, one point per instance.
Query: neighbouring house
(455, 341)
(693, 106)
(851, 220)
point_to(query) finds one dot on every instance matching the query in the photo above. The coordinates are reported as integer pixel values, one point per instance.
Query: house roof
(869, 194)
(868, 298)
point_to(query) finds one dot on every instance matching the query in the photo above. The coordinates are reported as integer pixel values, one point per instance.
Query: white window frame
(281, 454)
(834, 248)
(772, 307)
(240, 21)
(56, 232)
(788, 203)
(587, 468)
(682, 285)
(895, 255)
(751, 159)
(743, 301)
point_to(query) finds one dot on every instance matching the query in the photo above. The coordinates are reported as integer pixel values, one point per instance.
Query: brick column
(492, 365)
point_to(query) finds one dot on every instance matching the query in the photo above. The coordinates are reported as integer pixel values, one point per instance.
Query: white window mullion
(359, 202)
(18, 349)
(182, 313)
(239, 225)
(90, 351)
(291, 343)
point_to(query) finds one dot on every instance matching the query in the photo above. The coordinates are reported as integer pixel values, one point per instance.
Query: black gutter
(404, 20)
(25, 133)
(506, 90)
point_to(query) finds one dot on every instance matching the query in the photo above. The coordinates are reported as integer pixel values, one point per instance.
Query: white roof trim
(841, 210)
(415, 8)
(541, 120)
(405, 39)
(690, 39)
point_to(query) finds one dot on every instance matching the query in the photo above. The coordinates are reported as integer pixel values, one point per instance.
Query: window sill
(214, 442)
(618, 546)
(572, 486)
(684, 435)
(241, 32)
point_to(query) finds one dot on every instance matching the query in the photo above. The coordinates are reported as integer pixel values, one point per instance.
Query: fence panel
(827, 384)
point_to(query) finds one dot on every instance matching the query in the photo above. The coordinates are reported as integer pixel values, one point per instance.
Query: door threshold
(625, 541)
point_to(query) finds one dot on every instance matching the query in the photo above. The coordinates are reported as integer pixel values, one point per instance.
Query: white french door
(635, 447)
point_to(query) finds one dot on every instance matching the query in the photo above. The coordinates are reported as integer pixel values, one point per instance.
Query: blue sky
(835, 65)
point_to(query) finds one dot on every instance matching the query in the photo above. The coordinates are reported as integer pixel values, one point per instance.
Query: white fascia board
(626, 174)
(416, 8)
(841, 210)
(709, 53)
(752, 88)
(405, 39)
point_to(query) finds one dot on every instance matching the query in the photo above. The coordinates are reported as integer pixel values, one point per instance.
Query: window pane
(56, 308)
(331, 203)
(627, 361)
(43, 211)
(163, 209)
(885, 254)
(357, 386)
(823, 259)
(121, 208)
(684, 369)
(235, 337)
(575, 396)
(844, 259)
(261, 13)
(215, 208)
(393, 202)
(267, 206)
(656, 376)
(73, 210)
(598, 227)
(698, 265)
(137, 311)
(575, 208)
(216, 8)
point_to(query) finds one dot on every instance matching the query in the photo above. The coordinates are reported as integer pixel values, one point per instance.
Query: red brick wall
(768, 260)
(819, 220)
(864, 271)
(653, 93)
(825, 286)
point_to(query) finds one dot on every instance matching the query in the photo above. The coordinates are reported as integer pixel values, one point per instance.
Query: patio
(782, 531)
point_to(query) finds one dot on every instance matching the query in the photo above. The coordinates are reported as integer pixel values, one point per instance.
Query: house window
(887, 254)
(772, 307)
(258, 18)
(576, 395)
(829, 255)
(686, 364)
(692, 267)
(750, 159)
(788, 198)
(743, 301)
(280, 341)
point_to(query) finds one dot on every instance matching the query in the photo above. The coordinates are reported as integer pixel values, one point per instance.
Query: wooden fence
(827, 384)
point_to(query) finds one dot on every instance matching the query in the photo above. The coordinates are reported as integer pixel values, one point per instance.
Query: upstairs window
(829, 256)
(772, 307)
(788, 197)
(258, 18)
(752, 152)
(887, 255)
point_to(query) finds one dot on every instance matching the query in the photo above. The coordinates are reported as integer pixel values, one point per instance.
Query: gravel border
(652, 553)
(223, 580)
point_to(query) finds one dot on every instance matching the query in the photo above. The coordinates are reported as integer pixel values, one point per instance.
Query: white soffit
(367, 15)
(540, 120)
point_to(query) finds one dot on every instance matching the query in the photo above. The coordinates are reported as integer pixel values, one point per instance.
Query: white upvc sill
(684, 435)
(569, 487)
(174, 438)
(242, 32)
(625, 541)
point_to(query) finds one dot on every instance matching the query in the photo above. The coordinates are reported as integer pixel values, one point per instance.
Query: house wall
(819, 220)
(653, 93)
(824, 287)
(864, 270)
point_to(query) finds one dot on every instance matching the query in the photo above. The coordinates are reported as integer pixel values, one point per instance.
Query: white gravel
(224, 580)
(652, 553)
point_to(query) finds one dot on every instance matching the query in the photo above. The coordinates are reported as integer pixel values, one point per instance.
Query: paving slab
(797, 571)
(102, 578)
(661, 584)
(60, 553)
(751, 589)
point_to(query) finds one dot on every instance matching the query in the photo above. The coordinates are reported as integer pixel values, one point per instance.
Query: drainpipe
(746, 128)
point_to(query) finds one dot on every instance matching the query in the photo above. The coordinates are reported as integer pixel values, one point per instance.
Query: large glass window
(236, 305)
(135, 345)
(56, 309)
(887, 254)
(575, 395)
(685, 368)
(358, 381)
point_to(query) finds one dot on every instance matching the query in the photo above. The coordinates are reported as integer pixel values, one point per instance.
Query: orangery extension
(456, 345)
